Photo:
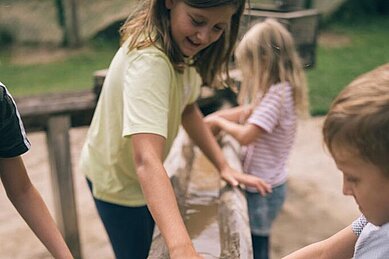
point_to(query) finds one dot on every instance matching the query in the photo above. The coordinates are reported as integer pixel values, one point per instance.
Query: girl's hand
(234, 178)
(212, 122)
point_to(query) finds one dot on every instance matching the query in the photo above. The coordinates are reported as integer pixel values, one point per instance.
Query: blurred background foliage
(353, 39)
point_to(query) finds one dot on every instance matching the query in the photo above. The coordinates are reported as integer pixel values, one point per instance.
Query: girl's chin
(189, 51)
(189, 54)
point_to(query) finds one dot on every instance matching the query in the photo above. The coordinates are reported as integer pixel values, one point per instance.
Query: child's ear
(169, 4)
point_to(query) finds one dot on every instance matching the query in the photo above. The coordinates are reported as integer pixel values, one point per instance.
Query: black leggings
(130, 229)
(260, 246)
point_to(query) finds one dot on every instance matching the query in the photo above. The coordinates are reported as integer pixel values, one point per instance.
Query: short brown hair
(359, 118)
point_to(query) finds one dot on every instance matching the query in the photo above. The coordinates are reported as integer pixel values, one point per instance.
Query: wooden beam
(36, 110)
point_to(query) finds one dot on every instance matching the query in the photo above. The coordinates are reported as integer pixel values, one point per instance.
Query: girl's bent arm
(192, 121)
(159, 194)
(31, 207)
(244, 134)
(237, 114)
(340, 246)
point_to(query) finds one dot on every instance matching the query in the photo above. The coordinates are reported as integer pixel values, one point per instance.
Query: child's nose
(346, 188)
(204, 35)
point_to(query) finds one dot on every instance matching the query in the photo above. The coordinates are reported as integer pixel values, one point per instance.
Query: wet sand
(315, 207)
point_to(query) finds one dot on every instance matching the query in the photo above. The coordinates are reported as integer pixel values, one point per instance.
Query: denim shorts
(263, 210)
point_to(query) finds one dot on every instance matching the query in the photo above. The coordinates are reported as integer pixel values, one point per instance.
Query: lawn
(365, 47)
(71, 73)
(339, 65)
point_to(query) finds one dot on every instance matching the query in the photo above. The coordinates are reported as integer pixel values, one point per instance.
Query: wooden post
(62, 180)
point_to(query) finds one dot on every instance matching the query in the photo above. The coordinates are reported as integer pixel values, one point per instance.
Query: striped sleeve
(267, 114)
(13, 139)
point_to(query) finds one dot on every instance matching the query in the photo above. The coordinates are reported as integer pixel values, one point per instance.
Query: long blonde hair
(151, 18)
(266, 56)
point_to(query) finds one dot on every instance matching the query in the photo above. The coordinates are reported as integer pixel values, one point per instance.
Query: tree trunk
(68, 20)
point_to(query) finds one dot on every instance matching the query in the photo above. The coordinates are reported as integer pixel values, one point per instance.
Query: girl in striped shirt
(273, 94)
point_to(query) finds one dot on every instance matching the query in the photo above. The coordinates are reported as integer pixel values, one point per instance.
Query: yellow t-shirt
(142, 93)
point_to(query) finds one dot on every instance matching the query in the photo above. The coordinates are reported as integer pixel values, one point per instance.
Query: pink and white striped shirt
(267, 156)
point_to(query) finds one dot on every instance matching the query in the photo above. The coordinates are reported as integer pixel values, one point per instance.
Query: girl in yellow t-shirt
(169, 49)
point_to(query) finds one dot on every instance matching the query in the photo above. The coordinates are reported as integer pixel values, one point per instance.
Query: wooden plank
(36, 110)
(62, 181)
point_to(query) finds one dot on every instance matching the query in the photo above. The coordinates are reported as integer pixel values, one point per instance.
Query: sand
(315, 207)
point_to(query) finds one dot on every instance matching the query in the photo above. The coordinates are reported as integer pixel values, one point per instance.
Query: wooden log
(233, 216)
(221, 213)
(62, 181)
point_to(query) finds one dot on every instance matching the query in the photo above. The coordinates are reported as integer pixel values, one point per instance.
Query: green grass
(335, 66)
(70, 74)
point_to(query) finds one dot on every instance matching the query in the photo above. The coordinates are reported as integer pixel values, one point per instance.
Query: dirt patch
(315, 207)
(35, 55)
(333, 40)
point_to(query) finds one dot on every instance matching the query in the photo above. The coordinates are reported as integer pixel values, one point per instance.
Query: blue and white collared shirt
(373, 241)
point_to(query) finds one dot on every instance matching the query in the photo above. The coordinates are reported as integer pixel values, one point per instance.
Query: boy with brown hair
(356, 132)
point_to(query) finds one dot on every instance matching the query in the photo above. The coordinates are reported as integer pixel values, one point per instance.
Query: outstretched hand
(212, 122)
(235, 178)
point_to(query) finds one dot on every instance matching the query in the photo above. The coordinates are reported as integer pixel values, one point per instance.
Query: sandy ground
(315, 207)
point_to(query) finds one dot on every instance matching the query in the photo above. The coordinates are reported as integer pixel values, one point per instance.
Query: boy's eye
(351, 179)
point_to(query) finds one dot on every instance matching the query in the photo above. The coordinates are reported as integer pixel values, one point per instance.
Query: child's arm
(159, 194)
(238, 115)
(341, 245)
(30, 205)
(244, 134)
(192, 121)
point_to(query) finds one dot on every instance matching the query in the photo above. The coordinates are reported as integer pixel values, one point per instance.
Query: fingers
(234, 179)
(231, 180)
(252, 181)
(210, 121)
